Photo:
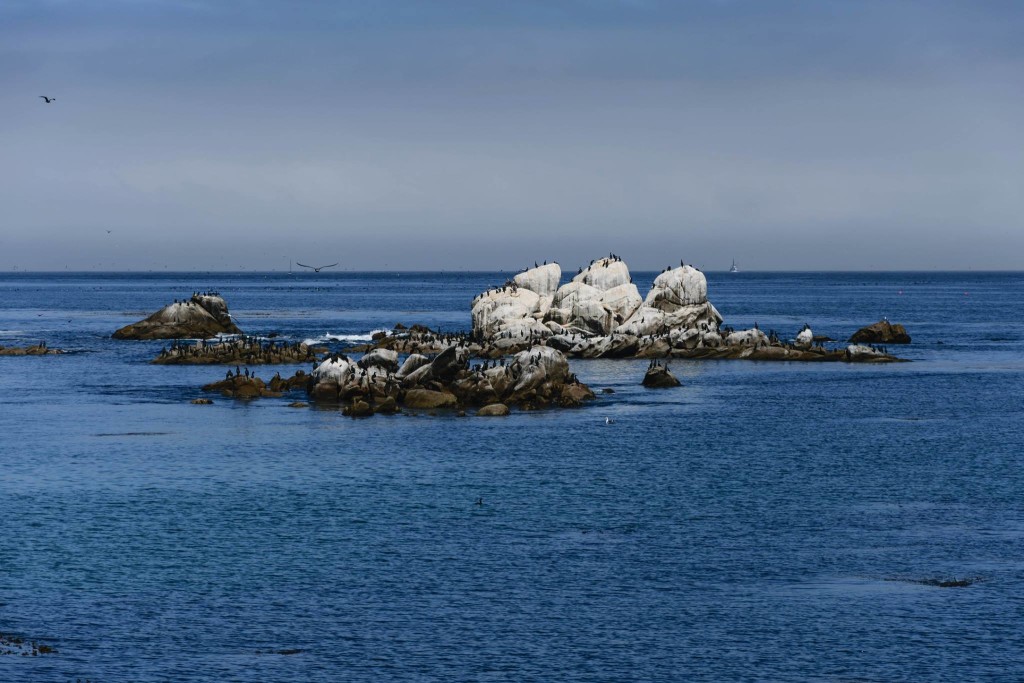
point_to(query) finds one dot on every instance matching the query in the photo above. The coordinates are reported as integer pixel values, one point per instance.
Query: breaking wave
(328, 337)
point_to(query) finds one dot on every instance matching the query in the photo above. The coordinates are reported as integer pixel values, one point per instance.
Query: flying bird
(48, 99)
(314, 268)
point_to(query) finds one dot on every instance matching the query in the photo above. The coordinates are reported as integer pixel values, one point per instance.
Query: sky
(487, 134)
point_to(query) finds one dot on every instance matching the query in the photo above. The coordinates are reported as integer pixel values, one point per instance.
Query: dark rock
(659, 377)
(882, 332)
(298, 404)
(202, 402)
(358, 409)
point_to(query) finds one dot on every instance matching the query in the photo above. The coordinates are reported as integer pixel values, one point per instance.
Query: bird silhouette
(314, 268)
(48, 99)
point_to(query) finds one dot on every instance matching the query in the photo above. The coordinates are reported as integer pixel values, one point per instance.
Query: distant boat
(734, 268)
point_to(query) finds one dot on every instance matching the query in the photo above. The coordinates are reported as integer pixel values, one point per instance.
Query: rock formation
(201, 317)
(40, 349)
(600, 314)
(251, 386)
(882, 332)
(240, 351)
(534, 378)
(658, 376)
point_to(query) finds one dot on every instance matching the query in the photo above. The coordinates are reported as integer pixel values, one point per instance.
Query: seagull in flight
(314, 268)
(48, 99)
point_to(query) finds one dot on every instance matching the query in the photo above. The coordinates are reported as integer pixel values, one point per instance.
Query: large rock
(882, 332)
(201, 317)
(601, 300)
(542, 280)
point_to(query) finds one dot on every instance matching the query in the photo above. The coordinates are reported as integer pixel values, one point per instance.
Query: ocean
(765, 521)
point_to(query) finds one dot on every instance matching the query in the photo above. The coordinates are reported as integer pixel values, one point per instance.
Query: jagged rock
(882, 332)
(660, 377)
(201, 317)
(493, 410)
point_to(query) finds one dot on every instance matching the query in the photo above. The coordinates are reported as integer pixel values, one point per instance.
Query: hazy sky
(485, 134)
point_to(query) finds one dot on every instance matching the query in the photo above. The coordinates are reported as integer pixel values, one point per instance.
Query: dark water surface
(763, 522)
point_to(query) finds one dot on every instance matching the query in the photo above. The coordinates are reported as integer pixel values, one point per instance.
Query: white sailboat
(734, 268)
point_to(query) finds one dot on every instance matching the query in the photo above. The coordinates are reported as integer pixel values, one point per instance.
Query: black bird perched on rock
(315, 269)
(48, 99)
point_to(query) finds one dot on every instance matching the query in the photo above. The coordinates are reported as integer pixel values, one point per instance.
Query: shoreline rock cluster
(532, 379)
(202, 316)
(239, 351)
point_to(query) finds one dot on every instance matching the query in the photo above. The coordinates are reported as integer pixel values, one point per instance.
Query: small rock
(202, 402)
(298, 404)
(493, 410)
(659, 377)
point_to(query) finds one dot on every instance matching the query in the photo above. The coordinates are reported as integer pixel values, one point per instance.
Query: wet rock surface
(203, 316)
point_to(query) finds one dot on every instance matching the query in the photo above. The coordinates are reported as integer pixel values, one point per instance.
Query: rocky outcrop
(600, 301)
(538, 377)
(658, 376)
(882, 332)
(493, 410)
(201, 317)
(40, 349)
(246, 385)
(241, 351)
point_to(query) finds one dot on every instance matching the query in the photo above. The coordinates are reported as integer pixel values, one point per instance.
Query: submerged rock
(882, 332)
(40, 349)
(493, 410)
(201, 317)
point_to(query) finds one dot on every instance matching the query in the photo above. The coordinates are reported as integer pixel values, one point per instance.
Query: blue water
(763, 522)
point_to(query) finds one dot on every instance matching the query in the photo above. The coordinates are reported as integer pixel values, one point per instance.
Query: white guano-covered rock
(806, 337)
(683, 286)
(751, 337)
(338, 370)
(604, 274)
(542, 280)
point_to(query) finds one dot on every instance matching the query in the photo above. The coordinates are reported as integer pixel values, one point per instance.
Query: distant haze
(486, 134)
